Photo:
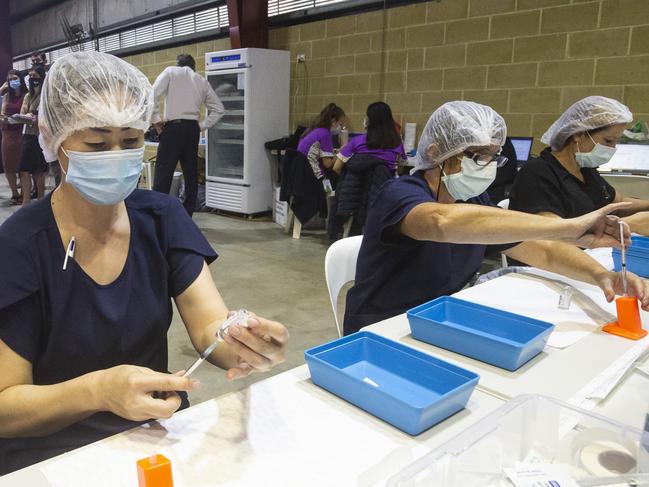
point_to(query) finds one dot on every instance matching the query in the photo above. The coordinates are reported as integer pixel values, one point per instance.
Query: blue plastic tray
(639, 242)
(403, 386)
(497, 337)
(637, 257)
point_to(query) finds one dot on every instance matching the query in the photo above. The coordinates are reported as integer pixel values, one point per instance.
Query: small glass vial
(565, 298)
(239, 317)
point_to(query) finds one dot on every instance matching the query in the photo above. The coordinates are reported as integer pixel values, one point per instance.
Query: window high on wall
(183, 25)
(279, 7)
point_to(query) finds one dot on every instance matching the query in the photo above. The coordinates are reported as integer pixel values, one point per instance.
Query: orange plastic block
(628, 324)
(154, 471)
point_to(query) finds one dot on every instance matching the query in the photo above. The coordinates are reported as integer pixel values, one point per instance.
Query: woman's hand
(639, 223)
(338, 166)
(611, 283)
(328, 162)
(259, 347)
(139, 393)
(599, 228)
(255, 348)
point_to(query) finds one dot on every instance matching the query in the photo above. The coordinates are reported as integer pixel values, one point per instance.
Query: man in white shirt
(184, 92)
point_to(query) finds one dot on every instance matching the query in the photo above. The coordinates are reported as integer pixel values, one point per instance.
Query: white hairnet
(47, 153)
(593, 112)
(92, 89)
(456, 126)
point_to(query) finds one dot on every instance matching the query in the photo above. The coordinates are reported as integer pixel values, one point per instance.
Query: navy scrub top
(394, 272)
(67, 325)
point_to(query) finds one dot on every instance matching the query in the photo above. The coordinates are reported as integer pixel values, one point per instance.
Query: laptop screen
(629, 157)
(522, 146)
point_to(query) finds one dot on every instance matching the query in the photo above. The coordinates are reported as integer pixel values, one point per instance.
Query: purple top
(314, 145)
(321, 135)
(357, 145)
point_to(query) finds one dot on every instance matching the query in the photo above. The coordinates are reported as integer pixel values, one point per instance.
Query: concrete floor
(260, 269)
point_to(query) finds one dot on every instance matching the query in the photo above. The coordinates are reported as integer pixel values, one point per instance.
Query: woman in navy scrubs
(83, 339)
(426, 234)
(564, 181)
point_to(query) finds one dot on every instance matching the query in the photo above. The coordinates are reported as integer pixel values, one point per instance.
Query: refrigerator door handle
(228, 182)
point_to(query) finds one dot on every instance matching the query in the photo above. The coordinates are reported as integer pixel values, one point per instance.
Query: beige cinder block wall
(528, 59)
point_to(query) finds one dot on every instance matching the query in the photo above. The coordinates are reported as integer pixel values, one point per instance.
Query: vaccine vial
(239, 317)
(565, 298)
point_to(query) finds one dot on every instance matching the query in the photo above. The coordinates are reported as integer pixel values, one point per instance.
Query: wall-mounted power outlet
(301, 58)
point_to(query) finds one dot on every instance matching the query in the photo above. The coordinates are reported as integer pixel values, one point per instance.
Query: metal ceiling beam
(159, 15)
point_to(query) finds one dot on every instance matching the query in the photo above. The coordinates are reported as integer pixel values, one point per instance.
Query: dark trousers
(178, 142)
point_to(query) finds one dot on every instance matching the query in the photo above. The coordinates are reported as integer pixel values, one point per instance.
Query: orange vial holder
(154, 471)
(628, 324)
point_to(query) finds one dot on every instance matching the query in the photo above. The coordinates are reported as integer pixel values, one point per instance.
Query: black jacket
(301, 188)
(360, 181)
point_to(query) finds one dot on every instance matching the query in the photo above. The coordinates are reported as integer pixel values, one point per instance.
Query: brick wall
(528, 59)
(152, 63)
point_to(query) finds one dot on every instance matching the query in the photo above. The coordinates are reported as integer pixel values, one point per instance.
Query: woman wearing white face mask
(563, 181)
(317, 143)
(421, 241)
(87, 275)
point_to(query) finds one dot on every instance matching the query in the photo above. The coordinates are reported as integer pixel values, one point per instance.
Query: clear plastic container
(532, 429)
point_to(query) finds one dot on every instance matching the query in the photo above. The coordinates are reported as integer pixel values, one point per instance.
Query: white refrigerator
(253, 85)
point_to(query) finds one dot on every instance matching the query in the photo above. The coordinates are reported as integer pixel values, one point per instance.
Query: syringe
(240, 317)
(624, 284)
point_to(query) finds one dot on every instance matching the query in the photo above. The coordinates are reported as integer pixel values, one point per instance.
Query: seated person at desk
(564, 181)
(316, 143)
(423, 241)
(83, 331)
(381, 141)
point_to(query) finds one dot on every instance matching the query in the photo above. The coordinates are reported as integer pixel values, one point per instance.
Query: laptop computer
(522, 147)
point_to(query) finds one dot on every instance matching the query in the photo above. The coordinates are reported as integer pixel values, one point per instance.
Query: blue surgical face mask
(14, 83)
(471, 181)
(106, 177)
(599, 156)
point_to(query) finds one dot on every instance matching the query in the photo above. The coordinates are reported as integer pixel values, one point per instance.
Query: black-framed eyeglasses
(484, 160)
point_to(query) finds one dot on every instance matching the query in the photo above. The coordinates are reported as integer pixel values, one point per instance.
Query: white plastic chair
(340, 268)
(293, 223)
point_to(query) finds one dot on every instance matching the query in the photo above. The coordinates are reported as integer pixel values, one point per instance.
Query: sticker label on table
(540, 475)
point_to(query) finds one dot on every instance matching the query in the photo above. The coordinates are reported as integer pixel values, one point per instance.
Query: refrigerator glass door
(225, 140)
